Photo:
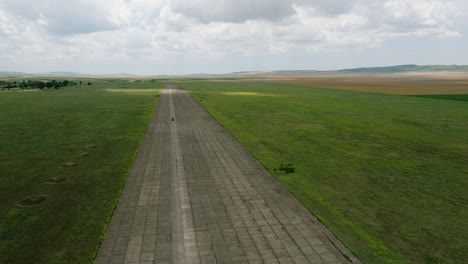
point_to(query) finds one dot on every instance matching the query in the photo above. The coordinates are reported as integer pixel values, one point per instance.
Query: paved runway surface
(195, 195)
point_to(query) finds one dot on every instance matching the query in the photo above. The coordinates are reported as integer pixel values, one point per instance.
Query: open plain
(64, 157)
(384, 172)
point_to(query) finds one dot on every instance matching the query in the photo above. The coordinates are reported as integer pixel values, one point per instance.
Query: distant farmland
(399, 83)
(386, 173)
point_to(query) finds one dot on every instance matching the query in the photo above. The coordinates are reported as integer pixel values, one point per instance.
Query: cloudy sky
(219, 36)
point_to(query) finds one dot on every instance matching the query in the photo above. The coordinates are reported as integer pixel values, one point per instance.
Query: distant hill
(376, 70)
(382, 70)
(283, 72)
(122, 74)
(407, 68)
(11, 73)
(60, 74)
(298, 72)
(14, 73)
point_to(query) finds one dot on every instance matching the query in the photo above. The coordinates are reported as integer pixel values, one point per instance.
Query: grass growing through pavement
(387, 174)
(64, 157)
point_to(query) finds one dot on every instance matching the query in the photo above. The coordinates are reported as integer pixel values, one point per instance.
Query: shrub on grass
(288, 168)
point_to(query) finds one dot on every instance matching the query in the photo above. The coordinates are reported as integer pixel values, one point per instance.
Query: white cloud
(325, 7)
(69, 17)
(234, 11)
(217, 26)
(113, 29)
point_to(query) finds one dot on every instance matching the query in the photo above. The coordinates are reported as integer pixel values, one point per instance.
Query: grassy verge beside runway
(64, 157)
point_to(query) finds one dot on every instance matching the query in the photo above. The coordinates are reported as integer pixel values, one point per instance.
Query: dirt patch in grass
(70, 164)
(91, 146)
(32, 200)
(83, 154)
(54, 180)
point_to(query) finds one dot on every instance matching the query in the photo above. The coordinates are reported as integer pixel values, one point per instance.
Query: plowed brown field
(403, 83)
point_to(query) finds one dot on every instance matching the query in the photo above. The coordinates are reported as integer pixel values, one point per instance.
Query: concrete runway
(195, 195)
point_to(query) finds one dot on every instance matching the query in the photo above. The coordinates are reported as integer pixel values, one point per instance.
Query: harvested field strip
(387, 84)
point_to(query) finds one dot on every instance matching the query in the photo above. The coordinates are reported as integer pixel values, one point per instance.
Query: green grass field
(386, 173)
(457, 97)
(74, 147)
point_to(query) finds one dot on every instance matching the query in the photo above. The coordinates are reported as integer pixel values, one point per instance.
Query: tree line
(28, 84)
